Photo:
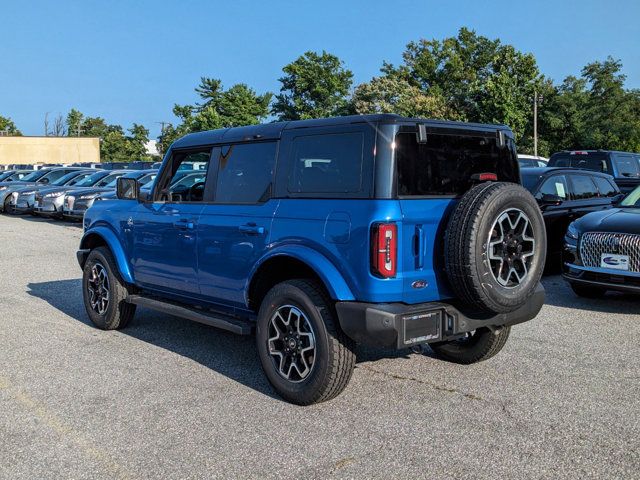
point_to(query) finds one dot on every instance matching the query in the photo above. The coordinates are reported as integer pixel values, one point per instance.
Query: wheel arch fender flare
(332, 279)
(102, 235)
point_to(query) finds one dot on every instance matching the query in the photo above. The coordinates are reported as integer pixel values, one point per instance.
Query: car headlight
(2, 188)
(54, 194)
(88, 196)
(29, 192)
(572, 232)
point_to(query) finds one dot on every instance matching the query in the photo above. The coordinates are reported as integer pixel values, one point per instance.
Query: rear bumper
(400, 325)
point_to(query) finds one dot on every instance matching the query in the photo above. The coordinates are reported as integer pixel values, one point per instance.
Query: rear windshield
(595, 161)
(445, 164)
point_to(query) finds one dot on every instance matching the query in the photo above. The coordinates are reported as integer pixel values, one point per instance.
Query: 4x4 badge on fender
(419, 284)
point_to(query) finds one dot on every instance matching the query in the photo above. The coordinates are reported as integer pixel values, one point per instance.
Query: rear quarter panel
(340, 231)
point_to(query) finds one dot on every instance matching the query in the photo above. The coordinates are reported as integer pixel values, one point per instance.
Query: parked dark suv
(624, 167)
(564, 195)
(319, 234)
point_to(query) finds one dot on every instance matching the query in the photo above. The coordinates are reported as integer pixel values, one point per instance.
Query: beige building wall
(34, 150)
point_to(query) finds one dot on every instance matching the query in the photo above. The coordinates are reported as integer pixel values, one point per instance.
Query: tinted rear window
(445, 164)
(330, 163)
(605, 187)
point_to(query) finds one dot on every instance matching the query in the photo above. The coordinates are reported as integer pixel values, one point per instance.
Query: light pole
(536, 98)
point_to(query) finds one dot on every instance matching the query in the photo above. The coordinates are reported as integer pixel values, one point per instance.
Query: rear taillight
(484, 177)
(384, 248)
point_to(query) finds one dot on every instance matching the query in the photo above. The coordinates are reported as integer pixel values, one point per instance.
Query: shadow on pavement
(228, 354)
(559, 294)
(52, 220)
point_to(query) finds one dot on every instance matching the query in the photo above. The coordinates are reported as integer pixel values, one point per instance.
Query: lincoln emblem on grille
(615, 244)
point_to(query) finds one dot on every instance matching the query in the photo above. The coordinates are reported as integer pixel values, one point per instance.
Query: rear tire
(588, 291)
(297, 324)
(104, 292)
(481, 345)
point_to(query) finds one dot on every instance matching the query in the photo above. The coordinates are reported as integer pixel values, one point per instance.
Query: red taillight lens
(384, 248)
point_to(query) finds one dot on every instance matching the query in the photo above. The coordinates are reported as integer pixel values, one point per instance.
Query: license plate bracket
(421, 327)
(614, 261)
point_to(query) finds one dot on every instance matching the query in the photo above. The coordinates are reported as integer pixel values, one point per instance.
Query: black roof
(540, 171)
(588, 152)
(274, 130)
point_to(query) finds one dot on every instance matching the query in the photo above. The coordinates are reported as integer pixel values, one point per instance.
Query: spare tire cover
(495, 247)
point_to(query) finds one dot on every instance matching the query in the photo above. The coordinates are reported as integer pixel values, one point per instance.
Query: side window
(583, 187)
(186, 178)
(628, 165)
(245, 174)
(605, 187)
(54, 175)
(556, 185)
(330, 163)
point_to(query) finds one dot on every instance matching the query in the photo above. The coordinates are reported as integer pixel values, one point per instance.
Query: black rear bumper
(400, 325)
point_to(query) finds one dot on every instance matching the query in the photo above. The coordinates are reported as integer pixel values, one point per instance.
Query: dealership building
(43, 150)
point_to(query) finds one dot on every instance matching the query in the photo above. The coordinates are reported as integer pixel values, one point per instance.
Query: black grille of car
(594, 244)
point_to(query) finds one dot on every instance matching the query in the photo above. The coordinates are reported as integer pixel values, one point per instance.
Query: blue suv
(321, 234)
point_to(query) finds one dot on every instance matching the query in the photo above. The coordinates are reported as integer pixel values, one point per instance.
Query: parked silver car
(23, 200)
(43, 176)
(77, 201)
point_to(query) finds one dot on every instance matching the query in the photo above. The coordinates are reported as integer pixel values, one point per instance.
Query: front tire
(480, 345)
(304, 353)
(104, 292)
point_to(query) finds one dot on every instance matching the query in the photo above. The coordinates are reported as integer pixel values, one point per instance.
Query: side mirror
(44, 180)
(127, 189)
(551, 200)
(618, 198)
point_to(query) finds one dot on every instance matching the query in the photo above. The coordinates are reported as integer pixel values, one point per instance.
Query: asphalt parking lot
(167, 398)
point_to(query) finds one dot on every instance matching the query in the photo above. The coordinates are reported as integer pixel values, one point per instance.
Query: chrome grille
(594, 244)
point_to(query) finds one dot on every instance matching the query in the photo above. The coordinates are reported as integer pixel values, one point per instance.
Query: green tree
(74, 123)
(115, 145)
(238, 106)
(314, 85)
(7, 125)
(393, 94)
(592, 111)
(478, 79)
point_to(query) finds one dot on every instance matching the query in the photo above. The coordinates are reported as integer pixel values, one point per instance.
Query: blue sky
(130, 61)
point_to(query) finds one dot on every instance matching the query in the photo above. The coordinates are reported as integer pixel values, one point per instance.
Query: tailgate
(423, 227)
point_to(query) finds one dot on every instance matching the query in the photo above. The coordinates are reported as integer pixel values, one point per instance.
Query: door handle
(251, 229)
(184, 224)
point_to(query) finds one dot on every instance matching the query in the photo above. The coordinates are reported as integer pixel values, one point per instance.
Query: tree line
(467, 77)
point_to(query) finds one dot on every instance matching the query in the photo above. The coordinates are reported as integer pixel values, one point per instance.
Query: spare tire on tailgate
(495, 247)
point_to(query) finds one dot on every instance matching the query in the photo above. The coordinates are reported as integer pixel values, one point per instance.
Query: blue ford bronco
(321, 234)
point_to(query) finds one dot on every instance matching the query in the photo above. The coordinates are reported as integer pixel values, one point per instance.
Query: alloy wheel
(98, 288)
(291, 343)
(511, 247)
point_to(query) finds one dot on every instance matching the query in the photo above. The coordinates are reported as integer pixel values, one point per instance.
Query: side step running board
(218, 320)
